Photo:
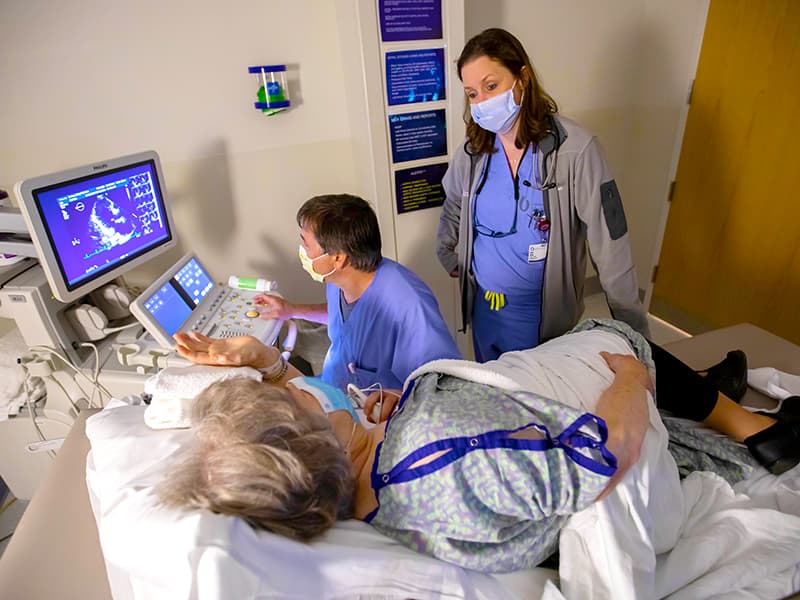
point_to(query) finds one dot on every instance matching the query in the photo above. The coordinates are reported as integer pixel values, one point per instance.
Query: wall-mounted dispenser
(273, 93)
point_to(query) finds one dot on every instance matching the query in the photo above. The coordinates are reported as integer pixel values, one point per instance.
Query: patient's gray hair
(258, 455)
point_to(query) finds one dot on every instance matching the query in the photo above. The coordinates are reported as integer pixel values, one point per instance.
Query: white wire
(96, 372)
(115, 329)
(32, 412)
(68, 362)
(28, 387)
(377, 386)
(78, 370)
(75, 407)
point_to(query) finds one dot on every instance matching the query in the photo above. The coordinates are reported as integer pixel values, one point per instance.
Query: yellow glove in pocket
(496, 300)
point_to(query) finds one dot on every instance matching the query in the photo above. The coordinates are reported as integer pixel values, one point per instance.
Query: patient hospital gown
(393, 328)
(493, 503)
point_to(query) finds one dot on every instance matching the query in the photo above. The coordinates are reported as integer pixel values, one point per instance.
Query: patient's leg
(686, 394)
(679, 389)
(734, 421)
(775, 444)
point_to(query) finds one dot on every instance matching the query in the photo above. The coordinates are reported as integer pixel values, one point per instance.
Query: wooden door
(731, 250)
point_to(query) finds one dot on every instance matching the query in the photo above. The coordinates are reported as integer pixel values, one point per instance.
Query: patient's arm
(623, 406)
(241, 351)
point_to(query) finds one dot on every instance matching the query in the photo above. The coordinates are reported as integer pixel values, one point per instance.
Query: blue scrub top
(504, 264)
(393, 328)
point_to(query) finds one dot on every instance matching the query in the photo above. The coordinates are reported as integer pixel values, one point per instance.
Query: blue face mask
(496, 114)
(330, 398)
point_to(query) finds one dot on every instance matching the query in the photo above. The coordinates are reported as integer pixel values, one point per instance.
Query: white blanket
(774, 383)
(652, 536)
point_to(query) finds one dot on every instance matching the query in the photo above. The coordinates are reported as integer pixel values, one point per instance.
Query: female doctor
(383, 321)
(523, 196)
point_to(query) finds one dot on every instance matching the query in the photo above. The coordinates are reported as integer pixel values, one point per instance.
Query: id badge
(537, 252)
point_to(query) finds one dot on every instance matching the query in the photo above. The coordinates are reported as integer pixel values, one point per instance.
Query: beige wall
(622, 68)
(90, 79)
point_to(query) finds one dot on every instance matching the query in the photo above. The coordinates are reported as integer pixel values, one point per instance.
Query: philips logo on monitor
(99, 222)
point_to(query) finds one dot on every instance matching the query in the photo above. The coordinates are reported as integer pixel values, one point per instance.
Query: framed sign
(419, 188)
(415, 76)
(410, 20)
(418, 135)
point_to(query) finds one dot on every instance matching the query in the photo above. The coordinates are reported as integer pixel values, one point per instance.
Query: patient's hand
(626, 365)
(624, 408)
(389, 403)
(233, 352)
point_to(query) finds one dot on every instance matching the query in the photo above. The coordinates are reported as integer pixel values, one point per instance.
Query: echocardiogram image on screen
(100, 222)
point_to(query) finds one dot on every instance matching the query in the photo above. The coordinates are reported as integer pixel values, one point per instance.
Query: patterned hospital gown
(494, 504)
(490, 503)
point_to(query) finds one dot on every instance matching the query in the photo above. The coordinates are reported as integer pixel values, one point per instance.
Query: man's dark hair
(344, 224)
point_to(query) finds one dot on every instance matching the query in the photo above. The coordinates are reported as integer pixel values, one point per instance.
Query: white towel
(775, 384)
(174, 389)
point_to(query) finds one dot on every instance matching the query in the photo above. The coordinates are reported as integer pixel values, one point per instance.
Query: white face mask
(308, 265)
(497, 114)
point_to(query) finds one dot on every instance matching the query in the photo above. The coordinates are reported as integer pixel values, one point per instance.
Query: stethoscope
(537, 184)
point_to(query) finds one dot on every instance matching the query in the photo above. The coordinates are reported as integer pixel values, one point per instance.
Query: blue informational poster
(409, 20)
(415, 76)
(420, 187)
(418, 135)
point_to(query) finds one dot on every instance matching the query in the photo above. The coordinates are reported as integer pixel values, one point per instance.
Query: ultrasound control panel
(232, 313)
(186, 299)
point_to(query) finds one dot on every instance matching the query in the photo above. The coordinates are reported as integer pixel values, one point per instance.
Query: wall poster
(410, 20)
(415, 76)
(420, 187)
(418, 135)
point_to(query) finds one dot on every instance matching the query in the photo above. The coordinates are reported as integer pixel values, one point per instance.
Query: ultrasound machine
(88, 338)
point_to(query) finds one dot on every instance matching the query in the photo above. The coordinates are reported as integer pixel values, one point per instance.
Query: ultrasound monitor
(93, 223)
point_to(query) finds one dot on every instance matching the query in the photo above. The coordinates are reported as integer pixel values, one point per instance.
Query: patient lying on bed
(480, 465)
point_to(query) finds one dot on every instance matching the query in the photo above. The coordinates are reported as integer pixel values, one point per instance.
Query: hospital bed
(55, 551)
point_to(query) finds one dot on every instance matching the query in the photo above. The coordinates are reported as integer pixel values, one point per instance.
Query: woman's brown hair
(537, 105)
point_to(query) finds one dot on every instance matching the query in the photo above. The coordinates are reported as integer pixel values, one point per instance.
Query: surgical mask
(496, 114)
(308, 265)
(330, 398)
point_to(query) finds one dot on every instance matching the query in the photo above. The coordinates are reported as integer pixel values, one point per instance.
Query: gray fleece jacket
(582, 203)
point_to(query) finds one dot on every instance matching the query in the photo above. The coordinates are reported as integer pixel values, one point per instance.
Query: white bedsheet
(653, 537)
(154, 552)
